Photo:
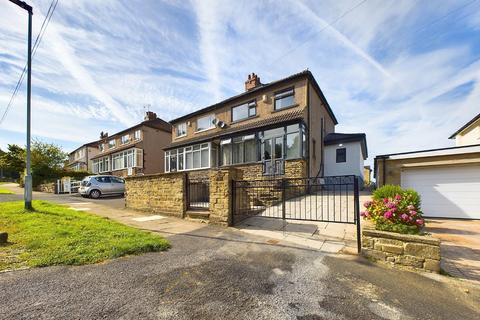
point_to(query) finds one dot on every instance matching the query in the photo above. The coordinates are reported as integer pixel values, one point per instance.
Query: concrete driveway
(460, 246)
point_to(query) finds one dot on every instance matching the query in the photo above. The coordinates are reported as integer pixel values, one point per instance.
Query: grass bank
(5, 191)
(55, 235)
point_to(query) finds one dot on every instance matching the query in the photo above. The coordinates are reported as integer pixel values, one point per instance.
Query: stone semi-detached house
(133, 151)
(273, 129)
(80, 159)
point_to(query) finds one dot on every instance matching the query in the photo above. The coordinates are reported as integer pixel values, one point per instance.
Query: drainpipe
(384, 169)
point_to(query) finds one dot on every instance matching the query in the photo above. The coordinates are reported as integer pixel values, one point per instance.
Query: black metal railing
(329, 199)
(198, 194)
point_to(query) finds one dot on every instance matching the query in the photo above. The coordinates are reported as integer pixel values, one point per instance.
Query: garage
(446, 191)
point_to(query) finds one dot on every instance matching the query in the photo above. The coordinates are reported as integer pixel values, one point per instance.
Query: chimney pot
(252, 82)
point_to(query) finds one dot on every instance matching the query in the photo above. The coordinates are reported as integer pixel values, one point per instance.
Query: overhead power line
(38, 40)
(319, 31)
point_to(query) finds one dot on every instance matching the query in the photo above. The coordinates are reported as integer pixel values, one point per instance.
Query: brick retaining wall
(411, 251)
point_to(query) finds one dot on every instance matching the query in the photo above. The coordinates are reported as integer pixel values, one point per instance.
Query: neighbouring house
(345, 154)
(468, 134)
(133, 151)
(447, 179)
(279, 129)
(367, 175)
(80, 159)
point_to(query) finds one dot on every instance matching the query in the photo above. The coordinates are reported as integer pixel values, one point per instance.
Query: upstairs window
(125, 138)
(138, 135)
(102, 147)
(181, 129)
(341, 155)
(205, 123)
(244, 111)
(284, 99)
(112, 143)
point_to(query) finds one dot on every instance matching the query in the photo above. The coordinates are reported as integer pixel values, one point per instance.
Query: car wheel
(95, 194)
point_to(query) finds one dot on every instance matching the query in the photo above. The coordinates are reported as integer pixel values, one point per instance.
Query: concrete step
(198, 215)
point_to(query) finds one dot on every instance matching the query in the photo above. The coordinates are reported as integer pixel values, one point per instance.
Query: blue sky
(404, 72)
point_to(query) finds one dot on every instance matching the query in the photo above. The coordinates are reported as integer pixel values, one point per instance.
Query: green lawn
(55, 235)
(5, 191)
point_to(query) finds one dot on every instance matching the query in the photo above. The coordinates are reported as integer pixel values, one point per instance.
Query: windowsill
(200, 131)
(285, 108)
(245, 119)
(178, 137)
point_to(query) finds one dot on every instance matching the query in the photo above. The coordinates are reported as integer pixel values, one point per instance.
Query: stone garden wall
(46, 187)
(157, 193)
(411, 251)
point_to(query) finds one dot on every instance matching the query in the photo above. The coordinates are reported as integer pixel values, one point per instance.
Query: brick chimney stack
(149, 115)
(252, 82)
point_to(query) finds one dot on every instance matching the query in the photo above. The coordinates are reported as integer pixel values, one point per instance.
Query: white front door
(446, 191)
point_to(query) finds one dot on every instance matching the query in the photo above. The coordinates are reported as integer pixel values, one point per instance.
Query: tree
(13, 159)
(47, 160)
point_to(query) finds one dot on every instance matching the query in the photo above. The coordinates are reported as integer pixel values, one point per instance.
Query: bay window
(127, 159)
(101, 165)
(238, 150)
(198, 156)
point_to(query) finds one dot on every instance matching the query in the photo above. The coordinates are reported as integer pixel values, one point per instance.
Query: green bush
(394, 209)
(387, 191)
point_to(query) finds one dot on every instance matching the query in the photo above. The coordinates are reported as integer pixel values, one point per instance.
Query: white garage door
(449, 192)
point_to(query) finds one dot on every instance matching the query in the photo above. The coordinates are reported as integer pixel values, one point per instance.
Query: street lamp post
(28, 176)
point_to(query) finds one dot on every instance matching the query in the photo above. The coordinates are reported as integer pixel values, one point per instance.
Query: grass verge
(5, 191)
(55, 235)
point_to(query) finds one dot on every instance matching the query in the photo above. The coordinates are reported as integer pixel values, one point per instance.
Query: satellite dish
(221, 124)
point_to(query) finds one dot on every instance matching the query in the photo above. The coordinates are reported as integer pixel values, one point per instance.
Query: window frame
(281, 94)
(212, 115)
(122, 141)
(114, 143)
(135, 138)
(176, 129)
(337, 155)
(252, 104)
(185, 151)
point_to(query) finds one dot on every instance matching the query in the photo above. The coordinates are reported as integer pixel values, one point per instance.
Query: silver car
(96, 186)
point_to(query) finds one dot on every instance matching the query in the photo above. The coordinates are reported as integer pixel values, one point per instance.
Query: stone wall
(46, 187)
(221, 196)
(157, 193)
(411, 251)
(293, 169)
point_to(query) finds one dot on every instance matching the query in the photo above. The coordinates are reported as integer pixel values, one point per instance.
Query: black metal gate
(198, 194)
(328, 199)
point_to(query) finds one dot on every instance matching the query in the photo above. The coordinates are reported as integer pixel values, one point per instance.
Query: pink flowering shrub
(396, 210)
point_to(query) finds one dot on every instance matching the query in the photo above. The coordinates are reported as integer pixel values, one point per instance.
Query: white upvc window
(102, 147)
(130, 158)
(112, 143)
(181, 129)
(198, 156)
(101, 165)
(138, 135)
(125, 139)
(205, 122)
